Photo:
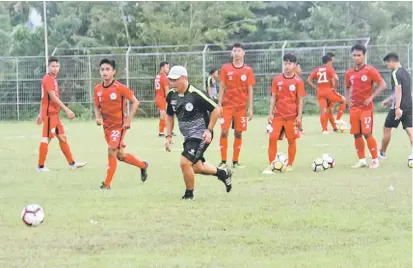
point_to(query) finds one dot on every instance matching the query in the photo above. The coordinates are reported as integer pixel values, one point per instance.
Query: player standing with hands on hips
(400, 99)
(359, 83)
(235, 91)
(197, 115)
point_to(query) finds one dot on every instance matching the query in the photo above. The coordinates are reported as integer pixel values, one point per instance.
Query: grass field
(338, 218)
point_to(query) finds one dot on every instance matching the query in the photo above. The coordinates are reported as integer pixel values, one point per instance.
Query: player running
(237, 79)
(110, 104)
(49, 115)
(286, 110)
(327, 80)
(161, 90)
(197, 115)
(359, 91)
(400, 99)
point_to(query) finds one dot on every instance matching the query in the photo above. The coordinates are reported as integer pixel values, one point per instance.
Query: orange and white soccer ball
(32, 215)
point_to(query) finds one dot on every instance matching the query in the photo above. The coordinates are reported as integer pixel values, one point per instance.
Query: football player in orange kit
(110, 105)
(359, 84)
(49, 116)
(327, 80)
(161, 90)
(285, 110)
(237, 79)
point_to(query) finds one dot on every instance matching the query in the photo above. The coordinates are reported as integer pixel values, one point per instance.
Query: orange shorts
(329, 99)
(239, 119)
(361, 121)
(114, 137)
(160, 103)
(281, 127)
(52, 126)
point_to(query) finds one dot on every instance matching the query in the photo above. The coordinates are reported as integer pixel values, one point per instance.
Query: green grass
(338, 218)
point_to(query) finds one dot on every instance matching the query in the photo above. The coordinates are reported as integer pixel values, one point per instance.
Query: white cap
(177, 71)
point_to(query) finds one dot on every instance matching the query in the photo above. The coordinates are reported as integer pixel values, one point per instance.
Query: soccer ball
(329, 159)
(319, 165)
(410, 161)
(341, 127)
(32, 215)
(278, 166)
(282, 158)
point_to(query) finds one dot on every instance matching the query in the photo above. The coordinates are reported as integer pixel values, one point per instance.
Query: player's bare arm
(379, 89)
(98, 116)
(273, 101)
(386, 102)
(398, 97)
(169, 127)
(56, 100)
(310, 82)
(250, 102)
(347, 93)
(166, 90)
(299, 111)
(221, 94)
(215, 114)
(39, 118)
(134, 103)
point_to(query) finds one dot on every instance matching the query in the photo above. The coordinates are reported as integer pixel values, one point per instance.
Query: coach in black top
(400, 100)
(197, 115)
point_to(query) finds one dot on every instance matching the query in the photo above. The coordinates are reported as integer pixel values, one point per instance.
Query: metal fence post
(90, 87)
(366, 44)
(127, 76)
(204, 67)
(282, 55)
(17, 89)
(408, 57)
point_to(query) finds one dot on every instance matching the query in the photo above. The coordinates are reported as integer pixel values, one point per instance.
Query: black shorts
(194, 150)
(406, 119)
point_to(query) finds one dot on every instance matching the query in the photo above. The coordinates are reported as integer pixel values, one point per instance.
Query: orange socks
(131, 160)
(324, 120)
(272, 148)
(162, 124)
(359, 144)
(237, 149)
(292, 150)
(112, 164)
(66, 151)
(341, 110)
(43, 149)
(223, 145)
(332, 120)
(372, 145)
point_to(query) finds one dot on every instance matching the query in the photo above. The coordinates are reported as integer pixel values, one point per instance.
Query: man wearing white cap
(197, 115)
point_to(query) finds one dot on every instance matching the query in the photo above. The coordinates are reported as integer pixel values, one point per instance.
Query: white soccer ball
(319, 165)
(278, 166)
(32, 215)
(282, 157)
(410, 161)
(342, 127)
(329, 159)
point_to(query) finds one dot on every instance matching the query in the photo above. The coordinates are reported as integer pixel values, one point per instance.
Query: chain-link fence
(20, 77)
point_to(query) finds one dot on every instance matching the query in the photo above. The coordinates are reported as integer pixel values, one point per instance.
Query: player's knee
(387, 131)
(291, 142)
(120, 157)
(198, 166)
(238, 134)
(112, 151)
(62, 137)
(224, 134)
(185, 162)
(366, 136)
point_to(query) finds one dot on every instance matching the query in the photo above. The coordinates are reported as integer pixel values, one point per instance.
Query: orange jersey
(236, 82)
(161, 81)
(111, 101)
(362, 83)
(324, 76)
(287, 92)
(49, 84)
